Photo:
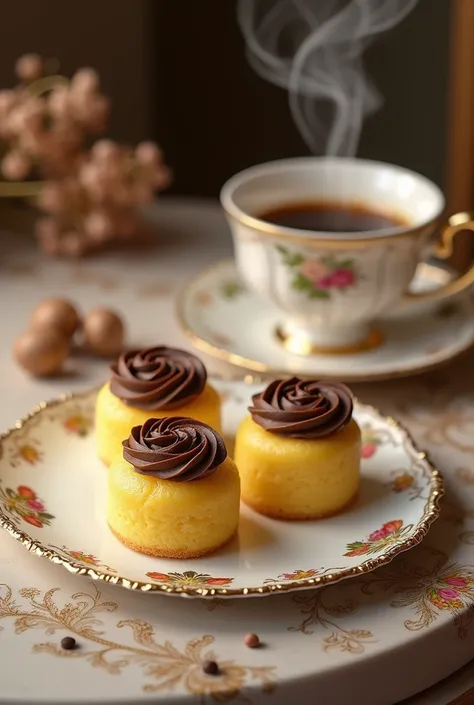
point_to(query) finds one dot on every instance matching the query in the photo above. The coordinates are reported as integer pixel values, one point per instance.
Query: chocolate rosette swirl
(303, 409)
(174, 448)
(157, 378)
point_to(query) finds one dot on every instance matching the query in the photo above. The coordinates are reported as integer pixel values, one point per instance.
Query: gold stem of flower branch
(45, 84)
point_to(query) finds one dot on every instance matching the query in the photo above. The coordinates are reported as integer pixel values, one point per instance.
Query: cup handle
(443, 250)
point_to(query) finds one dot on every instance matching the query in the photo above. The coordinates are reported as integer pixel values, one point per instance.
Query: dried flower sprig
(91, 195)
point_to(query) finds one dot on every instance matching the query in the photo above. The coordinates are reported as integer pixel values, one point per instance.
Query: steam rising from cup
(314, 49)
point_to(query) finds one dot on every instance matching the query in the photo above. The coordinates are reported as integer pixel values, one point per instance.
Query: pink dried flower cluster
(90, 197)
(99, 202)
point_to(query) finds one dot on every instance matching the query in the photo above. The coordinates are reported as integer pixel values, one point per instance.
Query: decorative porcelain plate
(53, 490)
(224, 319)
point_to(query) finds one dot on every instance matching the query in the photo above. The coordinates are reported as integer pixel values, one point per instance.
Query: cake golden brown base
(273, 513)
(177, 554)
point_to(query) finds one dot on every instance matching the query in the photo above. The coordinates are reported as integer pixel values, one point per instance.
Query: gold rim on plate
(250, 365)
(430, 514)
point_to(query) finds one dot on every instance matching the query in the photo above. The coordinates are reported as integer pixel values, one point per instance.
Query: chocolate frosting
(157, 378)
(174, 448)
(303, 409)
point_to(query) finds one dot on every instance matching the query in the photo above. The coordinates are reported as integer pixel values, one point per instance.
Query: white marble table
(439, 408)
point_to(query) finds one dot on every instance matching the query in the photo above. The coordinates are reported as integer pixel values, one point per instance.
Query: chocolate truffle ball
(104, 332)
(41, 352)
(56, 313)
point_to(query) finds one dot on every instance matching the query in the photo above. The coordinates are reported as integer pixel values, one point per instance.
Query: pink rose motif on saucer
(317, 278)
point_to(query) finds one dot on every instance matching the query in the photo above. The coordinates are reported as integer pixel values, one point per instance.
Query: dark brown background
(177, 72)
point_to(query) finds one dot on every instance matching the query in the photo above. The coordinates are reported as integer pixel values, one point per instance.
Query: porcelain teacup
(332, 287)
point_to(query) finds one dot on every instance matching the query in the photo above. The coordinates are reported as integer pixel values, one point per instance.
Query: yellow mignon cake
(154, 382)
(298, 452)
(175, 493)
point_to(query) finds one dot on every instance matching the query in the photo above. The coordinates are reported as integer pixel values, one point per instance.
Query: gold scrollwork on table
(429, 587)
(442, 417)
(428, 584)
(318, 610)
(165, 666)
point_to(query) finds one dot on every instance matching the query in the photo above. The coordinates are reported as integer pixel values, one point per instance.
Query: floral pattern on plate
(76, 416)
(260, 561)
(26, 452)
(379, 539)
(190, 578)
(24, 503)
(297, 575)
(82, 557)
(372, 439)
(403, 481)
(78, 424)
(369, 446)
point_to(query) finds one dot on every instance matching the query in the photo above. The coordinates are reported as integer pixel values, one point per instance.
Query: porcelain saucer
(53, 497)
(224, 319)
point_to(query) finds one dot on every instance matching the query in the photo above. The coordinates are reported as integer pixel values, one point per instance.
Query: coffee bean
(211, 668)
(68, 643)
